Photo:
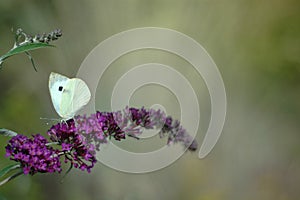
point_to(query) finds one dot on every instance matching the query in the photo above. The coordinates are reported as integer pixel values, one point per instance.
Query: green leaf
(8, 169)
(11, 177)
(6, 132)
(23, 48)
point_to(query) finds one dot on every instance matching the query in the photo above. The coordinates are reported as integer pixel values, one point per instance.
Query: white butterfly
(68, 95)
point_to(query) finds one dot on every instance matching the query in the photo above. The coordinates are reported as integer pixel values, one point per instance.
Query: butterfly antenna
(49, 119)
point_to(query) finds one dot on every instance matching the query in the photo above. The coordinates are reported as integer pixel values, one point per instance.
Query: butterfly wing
(82, 94)
(76, 94)
(57, 83)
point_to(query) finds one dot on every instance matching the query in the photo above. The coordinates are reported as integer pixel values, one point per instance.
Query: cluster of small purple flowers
(156, 119)
(131, 122)
(172, 129)
(74, 146)
(82, 136)
(33, 154)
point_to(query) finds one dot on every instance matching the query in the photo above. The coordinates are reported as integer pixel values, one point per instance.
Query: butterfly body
(68, 95)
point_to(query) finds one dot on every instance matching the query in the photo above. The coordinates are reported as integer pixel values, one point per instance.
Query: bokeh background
(256, 45)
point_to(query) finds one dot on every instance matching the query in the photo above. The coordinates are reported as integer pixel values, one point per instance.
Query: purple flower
(176, 133)
(140, 117)
(109, 125)
(33, 154)
(172, 129)
(75, 147)
(131, 122)
(80, 137)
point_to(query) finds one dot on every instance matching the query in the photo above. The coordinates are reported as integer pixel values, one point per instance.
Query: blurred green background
(255, 44)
